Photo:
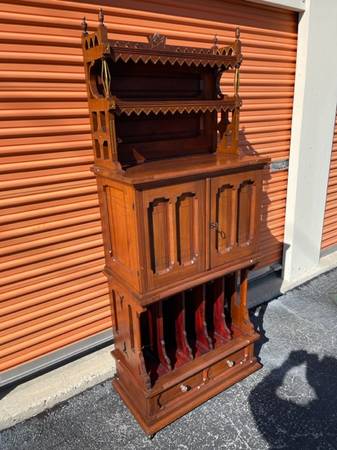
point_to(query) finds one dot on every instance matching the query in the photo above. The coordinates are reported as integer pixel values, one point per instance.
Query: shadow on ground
(309, 420)
(287, 424)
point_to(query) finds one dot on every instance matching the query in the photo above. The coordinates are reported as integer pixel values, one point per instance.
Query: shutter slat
(329, 235)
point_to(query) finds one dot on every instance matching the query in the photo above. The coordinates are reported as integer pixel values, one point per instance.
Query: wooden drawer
(227, 364)
(189, 385)
(197, 382)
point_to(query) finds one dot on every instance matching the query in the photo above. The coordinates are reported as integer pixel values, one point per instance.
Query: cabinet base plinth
(155, 411)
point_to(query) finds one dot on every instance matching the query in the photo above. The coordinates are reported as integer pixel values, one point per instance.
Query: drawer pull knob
(184, 388)
(230, 363)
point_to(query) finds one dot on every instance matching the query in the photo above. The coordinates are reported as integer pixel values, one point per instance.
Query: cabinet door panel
(235, 203)
(174, 229)
(226, 217)
(159, 212)
(187, 217)
(246, 212)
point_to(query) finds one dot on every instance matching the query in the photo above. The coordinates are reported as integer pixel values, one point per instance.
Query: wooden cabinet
(161, 236)
(180, 209)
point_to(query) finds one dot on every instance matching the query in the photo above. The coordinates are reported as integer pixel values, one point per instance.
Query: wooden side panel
(127, 334)
(118, 211)
(120, 230)
(174, 232)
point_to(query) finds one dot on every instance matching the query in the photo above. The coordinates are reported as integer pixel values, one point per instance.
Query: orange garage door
(52, 291)
(329, 236)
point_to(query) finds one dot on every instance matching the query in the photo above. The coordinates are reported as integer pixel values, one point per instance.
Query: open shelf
(184, 327)
(154, 101)
(137, 106)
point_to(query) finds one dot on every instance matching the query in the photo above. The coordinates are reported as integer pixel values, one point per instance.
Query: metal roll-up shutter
(53, 293)
(329, 235)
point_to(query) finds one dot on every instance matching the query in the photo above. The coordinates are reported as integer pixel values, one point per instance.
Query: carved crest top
(156, 40)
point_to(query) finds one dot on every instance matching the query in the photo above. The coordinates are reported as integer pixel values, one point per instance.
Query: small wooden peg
(215, 44)
(84, 26)
(237, 33)
(101, 16)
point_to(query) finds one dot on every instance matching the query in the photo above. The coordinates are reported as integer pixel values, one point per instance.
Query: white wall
(311, 140)
(294, 5)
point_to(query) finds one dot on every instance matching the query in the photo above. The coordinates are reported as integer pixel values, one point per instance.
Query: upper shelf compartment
(157, 51)
(151, 100)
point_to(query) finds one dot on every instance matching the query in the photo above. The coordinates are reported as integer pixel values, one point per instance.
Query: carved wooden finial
(215, 44)
(237, 49)
(101, 16)
(84, 26)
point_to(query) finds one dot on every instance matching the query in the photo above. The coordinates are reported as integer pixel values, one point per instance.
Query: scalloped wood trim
(188, 106)
(224, 62)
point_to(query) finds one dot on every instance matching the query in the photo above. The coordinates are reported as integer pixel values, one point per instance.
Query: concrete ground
(290, 404)
(25, 400)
